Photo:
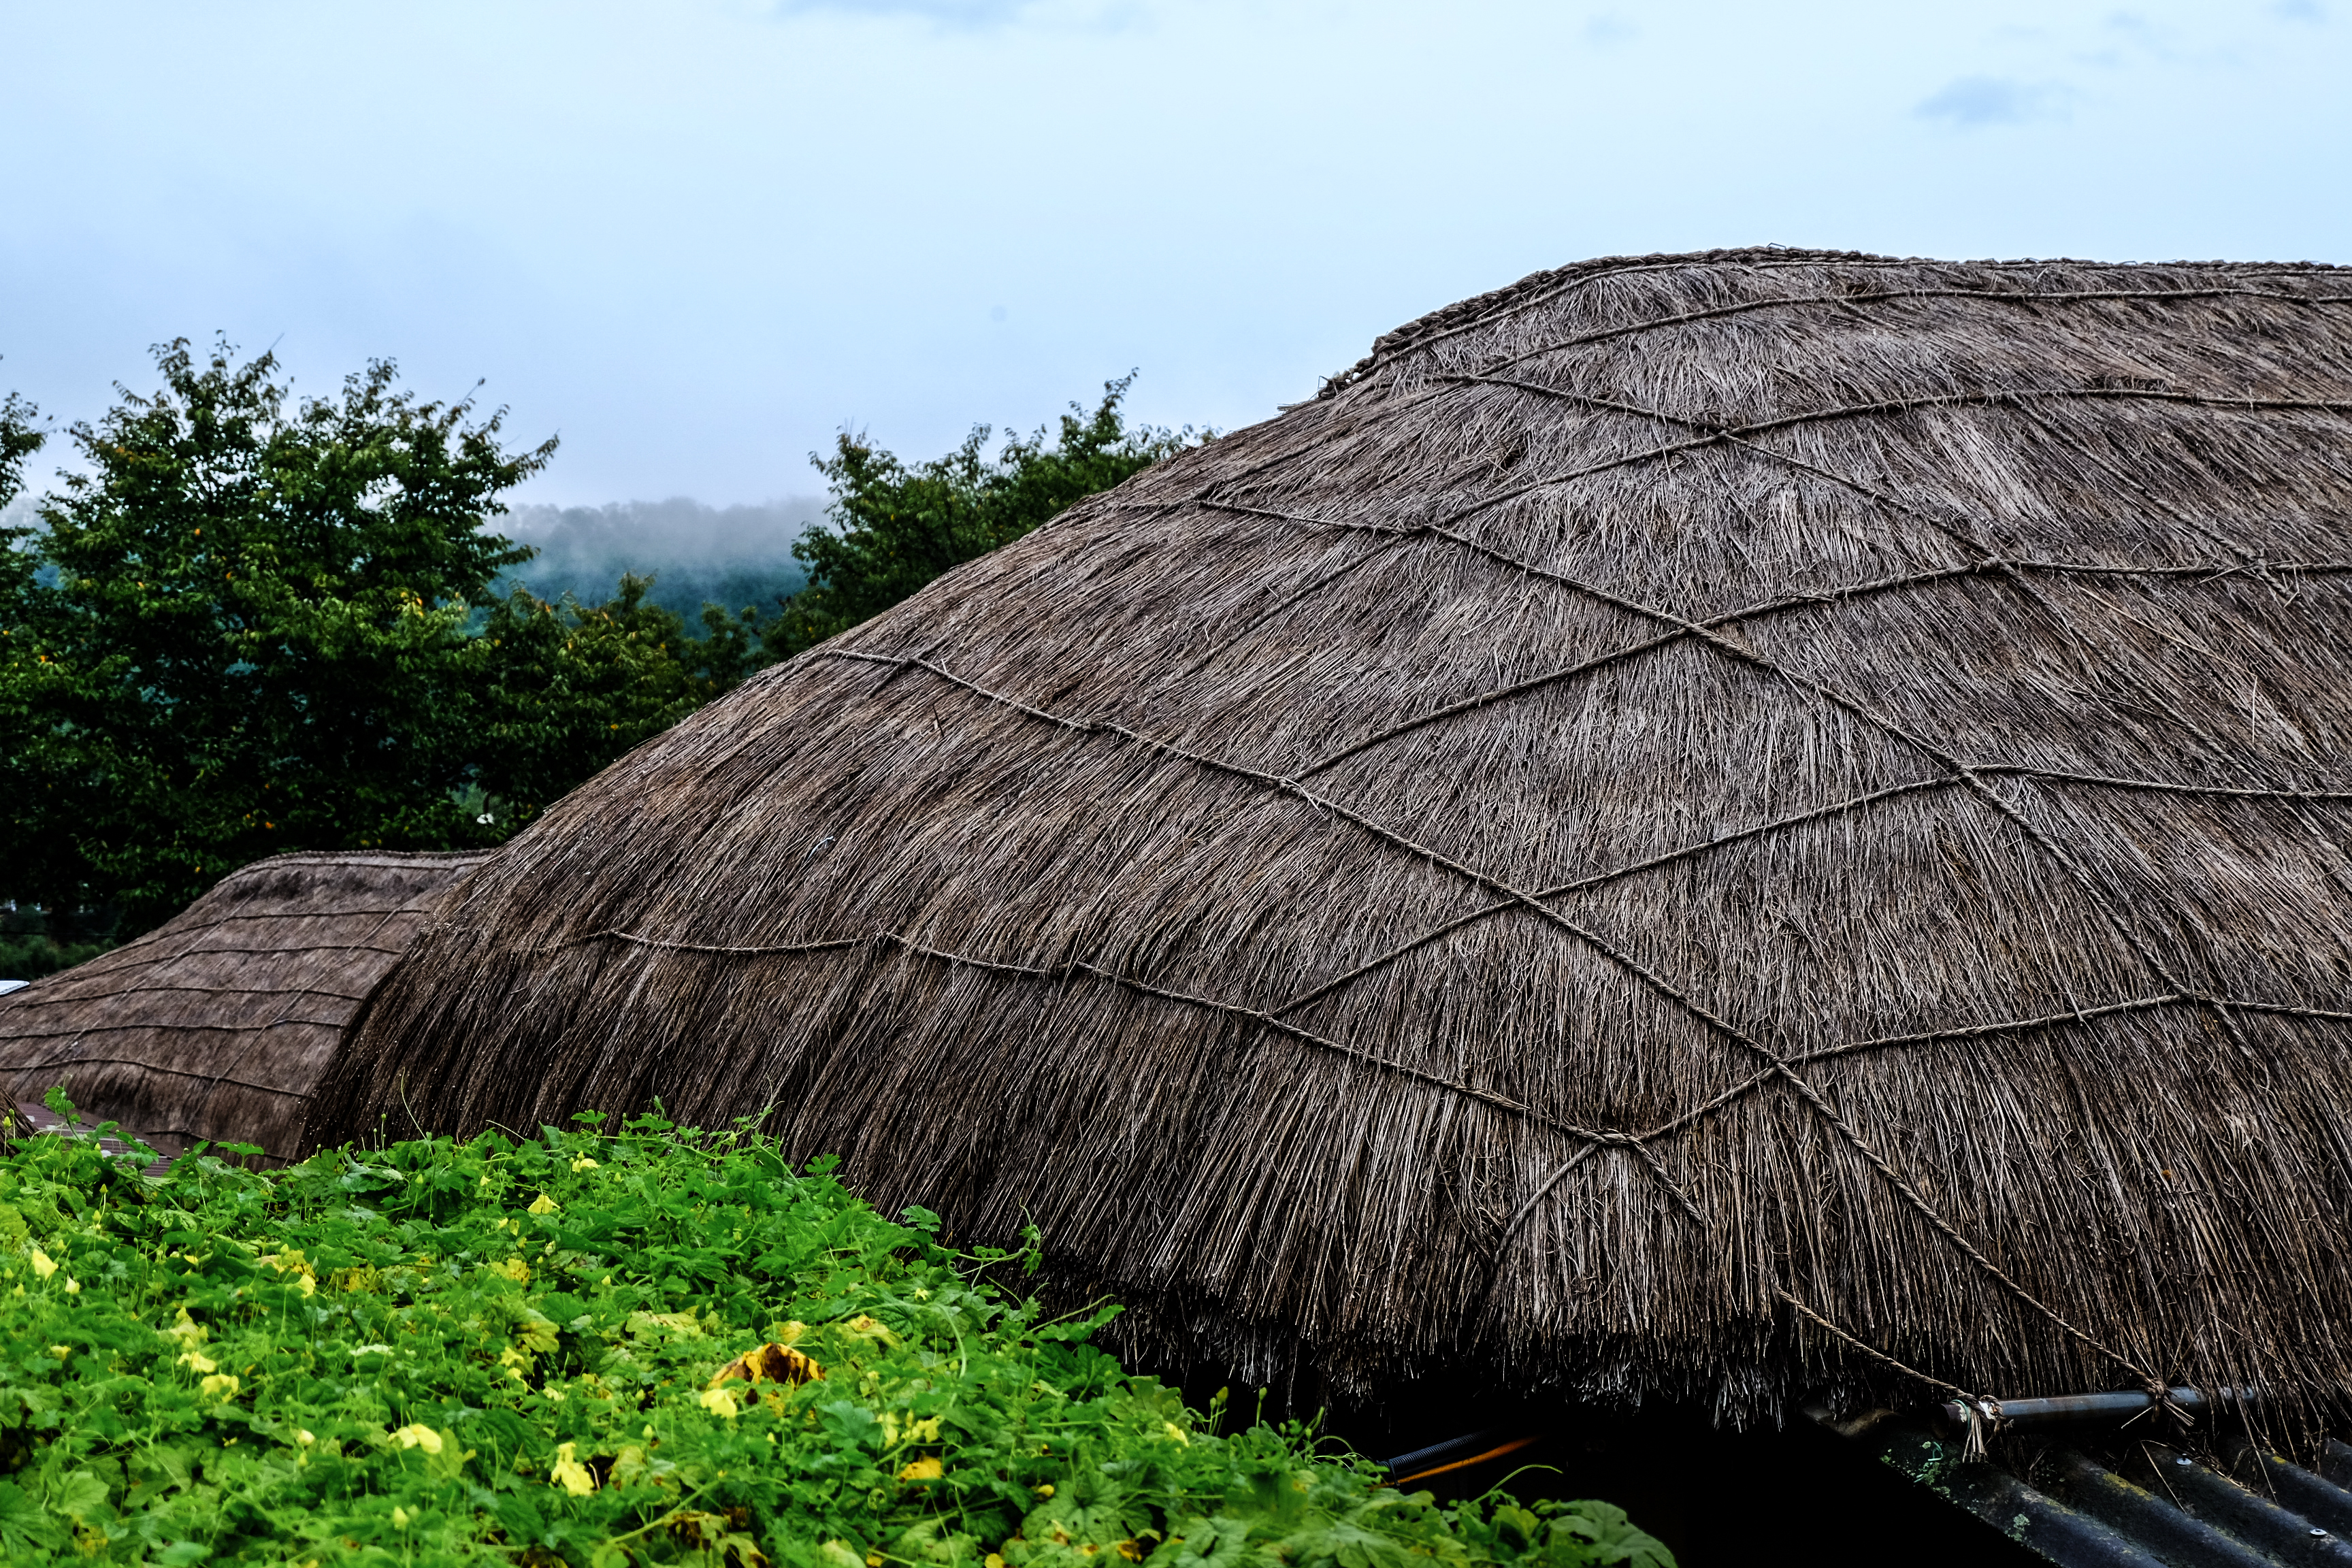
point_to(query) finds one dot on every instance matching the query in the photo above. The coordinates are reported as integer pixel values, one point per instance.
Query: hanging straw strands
(1694, 828)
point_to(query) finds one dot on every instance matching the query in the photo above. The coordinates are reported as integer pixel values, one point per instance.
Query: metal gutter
(2162, 1507)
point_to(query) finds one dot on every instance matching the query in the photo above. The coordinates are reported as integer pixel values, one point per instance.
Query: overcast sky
(695, 239)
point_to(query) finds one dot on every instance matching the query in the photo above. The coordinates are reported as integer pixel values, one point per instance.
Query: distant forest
(737, 557)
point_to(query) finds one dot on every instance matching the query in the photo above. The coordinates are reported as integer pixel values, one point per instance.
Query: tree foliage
(252, 627)
(562, 688)
(897, 527)
(248, 623)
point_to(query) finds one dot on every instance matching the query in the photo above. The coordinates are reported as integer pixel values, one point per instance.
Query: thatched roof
(1687, 793)
(215, 1025)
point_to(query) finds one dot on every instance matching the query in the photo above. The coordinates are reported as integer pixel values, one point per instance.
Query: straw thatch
(1686, 809)
(217, 1024)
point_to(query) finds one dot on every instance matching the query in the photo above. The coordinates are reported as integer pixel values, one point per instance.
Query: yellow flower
(1177, 1432)
(400, 1517)
(196, 1360)
(1045, 1490)
(570, 1473)
(61, 1352)
(583, 1163)
(42, 1264)
(188, 1329)
(719, 1401)
(543, 1205)
(73, 1285)
(417, 1435)
(221, 1382)
(926, 1468)
(305, 1436)
(993, 1559)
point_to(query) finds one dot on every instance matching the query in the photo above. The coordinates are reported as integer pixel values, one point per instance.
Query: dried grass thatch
(1696, 827)
(217, 1024)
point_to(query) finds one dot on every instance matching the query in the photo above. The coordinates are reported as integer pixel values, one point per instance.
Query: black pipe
(2075, 1409)
(1437, 1454)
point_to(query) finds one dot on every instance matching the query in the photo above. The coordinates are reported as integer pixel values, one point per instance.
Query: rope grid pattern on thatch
(1777, 1064)
(262, 973)
(2114, 560)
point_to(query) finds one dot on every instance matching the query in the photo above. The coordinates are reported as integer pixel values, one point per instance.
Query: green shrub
(504, 1350)
(30, 957)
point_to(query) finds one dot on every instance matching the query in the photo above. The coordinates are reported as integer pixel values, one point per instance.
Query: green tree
(250, 624)
(562, 688)
(26, 950)
(253, 639)
(895, 527)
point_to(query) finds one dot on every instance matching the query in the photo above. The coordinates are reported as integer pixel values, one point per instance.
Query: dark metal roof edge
(2194, 1517)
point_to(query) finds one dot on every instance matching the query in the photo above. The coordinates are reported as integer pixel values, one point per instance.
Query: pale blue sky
(695, 239)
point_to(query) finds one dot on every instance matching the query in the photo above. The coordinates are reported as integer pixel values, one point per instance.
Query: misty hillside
(733, 556)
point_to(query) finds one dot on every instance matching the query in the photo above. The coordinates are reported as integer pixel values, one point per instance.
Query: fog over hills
(732, 555)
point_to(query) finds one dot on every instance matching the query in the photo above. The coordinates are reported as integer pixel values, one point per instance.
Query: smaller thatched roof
(215, 1025)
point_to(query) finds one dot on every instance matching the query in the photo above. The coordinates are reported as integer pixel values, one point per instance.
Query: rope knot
(2167, 1409)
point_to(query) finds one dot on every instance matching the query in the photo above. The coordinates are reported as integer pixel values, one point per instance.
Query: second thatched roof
(1701, 826)
(215, 1025)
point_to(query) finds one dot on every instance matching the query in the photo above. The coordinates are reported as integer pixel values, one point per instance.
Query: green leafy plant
(601, 1348)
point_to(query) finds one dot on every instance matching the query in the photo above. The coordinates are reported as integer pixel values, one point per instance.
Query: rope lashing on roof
(1504, 308)
(1982, 1413)
(1593, 1139)
(1706, 631)
(1063, 971)
(1739, 835)
(1686, 318)
(1881, 408)
(1832, 695)
(1775, 1063)
(1897, 296)
(1784, 603)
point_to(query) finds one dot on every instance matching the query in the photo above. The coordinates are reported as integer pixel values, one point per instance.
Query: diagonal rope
(1889, 296)
(1976, 783)
(1506, 308)
(1880, 409)
(1775, 1062)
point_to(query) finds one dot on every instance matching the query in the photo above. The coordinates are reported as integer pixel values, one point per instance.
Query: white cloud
(1972, 100)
